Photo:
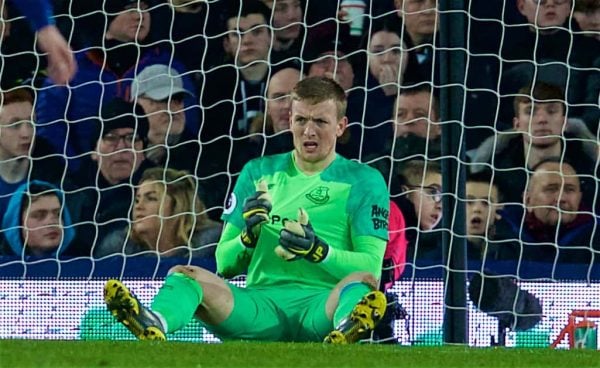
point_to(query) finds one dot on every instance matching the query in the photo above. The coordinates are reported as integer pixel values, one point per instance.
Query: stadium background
(49, 299)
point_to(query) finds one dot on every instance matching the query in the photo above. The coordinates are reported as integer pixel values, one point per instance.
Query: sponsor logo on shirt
(319, 195)
(379, 216)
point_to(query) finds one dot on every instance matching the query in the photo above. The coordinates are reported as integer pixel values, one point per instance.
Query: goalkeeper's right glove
(255, 213)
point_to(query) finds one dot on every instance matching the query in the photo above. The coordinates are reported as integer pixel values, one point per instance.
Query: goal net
(202, 87)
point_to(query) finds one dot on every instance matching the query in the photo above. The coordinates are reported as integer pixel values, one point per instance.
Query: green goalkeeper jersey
(347, 204)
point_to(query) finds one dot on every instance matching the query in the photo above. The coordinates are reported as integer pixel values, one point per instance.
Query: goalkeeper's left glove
(298, 238)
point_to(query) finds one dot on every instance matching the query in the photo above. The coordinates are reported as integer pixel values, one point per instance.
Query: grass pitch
(47, 353)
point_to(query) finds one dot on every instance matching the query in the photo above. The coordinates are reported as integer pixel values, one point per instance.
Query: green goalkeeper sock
(177, 301)
(349, 296)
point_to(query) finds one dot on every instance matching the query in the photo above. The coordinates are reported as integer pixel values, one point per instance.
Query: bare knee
(366, 278)
(217, 301)
(197, 273)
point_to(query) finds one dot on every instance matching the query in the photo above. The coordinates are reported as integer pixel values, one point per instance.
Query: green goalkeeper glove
(255, 213)
(298, 239)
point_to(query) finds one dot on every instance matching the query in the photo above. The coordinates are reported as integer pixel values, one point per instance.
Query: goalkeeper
(308, 227)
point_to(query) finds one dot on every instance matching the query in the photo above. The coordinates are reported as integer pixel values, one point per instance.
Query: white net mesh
(212, 82)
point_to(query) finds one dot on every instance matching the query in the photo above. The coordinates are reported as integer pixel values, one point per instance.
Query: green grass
(45, 353)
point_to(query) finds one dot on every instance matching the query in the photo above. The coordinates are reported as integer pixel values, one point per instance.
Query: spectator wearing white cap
(172, 142)
(159, 90)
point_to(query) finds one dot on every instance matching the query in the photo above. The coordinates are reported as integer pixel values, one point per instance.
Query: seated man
(556, 226)
(106, 194)
(305, 279)
(36, 223)
(539, 133)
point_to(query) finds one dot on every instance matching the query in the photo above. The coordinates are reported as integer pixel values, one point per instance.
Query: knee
(194, 272)
(364, 277)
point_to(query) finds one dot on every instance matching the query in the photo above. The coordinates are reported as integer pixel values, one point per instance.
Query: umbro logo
(319, 195)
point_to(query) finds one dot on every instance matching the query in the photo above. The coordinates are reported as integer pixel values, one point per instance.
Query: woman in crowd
(168, 218)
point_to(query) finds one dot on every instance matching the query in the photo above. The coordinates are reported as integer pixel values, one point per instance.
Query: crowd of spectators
(137, 152)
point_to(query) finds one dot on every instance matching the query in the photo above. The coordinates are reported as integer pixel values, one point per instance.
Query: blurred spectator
(168, 218)
(61, 64)
(329, 56)
(18, 60)
(483, 200)
(288, 29)
(234, 94)
(556, 226)
(544, 48)
(390, 67)
(539, 132)
(417, 133)
(271, 132)
(117, 163)
(159, 90)
(421, 205)
(22, 157)
(421, 21)
(587, 15)
(66, 115)
(37, 223)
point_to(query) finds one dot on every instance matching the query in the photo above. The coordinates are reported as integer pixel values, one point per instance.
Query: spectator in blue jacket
(105, 71)
(36, 222)
(61, 63)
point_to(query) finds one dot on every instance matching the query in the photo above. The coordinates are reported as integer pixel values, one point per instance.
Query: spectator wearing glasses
(421, 205)
(116, 165)
(23, 158)
(118, 46)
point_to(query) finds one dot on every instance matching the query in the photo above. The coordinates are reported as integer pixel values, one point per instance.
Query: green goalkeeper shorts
(276, 314)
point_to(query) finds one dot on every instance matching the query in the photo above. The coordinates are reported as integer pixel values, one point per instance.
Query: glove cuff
(318, 252)
(248, 238)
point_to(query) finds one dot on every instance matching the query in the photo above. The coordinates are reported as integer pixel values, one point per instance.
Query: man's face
(419, 17)
(119, 154)
(248, 39)
(413, 116)
(165, 117)
(287, 18)
(482, 200)
(545, 13)
(386, 59)
(42, 225)
(554, 196)
(335, 67)
(427, 200)
(16, 129)
(131, 24)
(589, 22)
(150, 209)
(315, 129)
(278, 95)
(540, 122)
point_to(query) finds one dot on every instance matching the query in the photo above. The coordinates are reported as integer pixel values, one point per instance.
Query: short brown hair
(540, 92)
(415, 171)
(315, 90)
(18, 94)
